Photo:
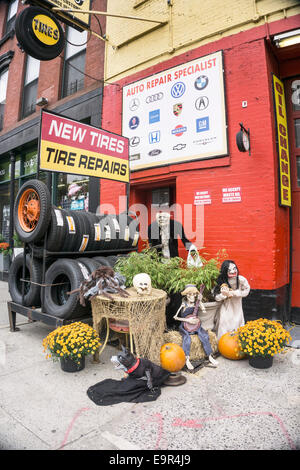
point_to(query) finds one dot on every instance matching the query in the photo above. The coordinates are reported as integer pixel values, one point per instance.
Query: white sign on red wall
(177, 115)
(202, 197)
(233, 194)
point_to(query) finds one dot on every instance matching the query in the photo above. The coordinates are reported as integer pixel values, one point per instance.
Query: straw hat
(190, 289)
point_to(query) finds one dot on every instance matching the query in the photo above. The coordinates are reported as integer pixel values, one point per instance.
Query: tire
(112, 260)
(129, 231)
(92, 220)
(99, 234)
(33, 272)
(32, 211)
(90, 264)
(111, 230)
(63, 276)
(85, 240)
(73, 233)
(55, 236)
(29, 42)
(102, 260)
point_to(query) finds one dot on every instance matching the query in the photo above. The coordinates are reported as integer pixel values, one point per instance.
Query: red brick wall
(255, 231)
(49, 85)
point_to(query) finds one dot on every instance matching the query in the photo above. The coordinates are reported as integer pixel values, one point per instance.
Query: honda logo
(154, 137)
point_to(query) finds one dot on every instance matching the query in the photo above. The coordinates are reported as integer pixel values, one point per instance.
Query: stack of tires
(76, 233)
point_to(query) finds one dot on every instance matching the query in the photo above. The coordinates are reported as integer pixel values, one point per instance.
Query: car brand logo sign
(179, 130)
(153, 98)
(136, 156)
(179, 146)
(154, 152)
(154, 116)
(134, 141)
(178, 89)
(134, 104)
(201, 103)
(134, 122)
(202, 124)
(201, 82)
(154, 137)
(177, 108)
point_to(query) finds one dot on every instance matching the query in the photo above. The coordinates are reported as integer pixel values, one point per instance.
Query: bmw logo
(201, 82)
(178, 89)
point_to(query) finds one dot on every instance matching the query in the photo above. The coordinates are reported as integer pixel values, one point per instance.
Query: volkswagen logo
(201, 82)
(178, 89)
(153, 98)
(134, 104)
(201, 103)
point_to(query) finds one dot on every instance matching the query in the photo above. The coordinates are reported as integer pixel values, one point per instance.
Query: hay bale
(197, 351)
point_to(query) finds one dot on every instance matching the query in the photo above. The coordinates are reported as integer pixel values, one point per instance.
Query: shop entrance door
(292, 87)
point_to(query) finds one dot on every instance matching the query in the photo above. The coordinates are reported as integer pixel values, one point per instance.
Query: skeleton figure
(142, 284)
(191, 324)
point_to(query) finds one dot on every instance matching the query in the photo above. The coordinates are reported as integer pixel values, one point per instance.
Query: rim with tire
(62, 277)
(55, 235)
(33, 274)
(32, 211)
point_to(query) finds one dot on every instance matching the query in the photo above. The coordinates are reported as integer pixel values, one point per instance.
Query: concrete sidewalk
(231, 407)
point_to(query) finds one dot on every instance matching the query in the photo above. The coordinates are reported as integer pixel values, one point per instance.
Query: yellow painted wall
(134, 45)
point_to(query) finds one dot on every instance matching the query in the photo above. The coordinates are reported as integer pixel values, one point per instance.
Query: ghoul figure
(191, 323)
(230, 289)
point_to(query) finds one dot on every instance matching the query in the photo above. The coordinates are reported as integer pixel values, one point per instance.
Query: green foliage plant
(171, 275)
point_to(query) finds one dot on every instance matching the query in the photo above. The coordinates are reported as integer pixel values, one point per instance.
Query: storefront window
(5, 208)
(72, 192)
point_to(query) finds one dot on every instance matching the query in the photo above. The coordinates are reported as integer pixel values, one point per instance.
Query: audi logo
(156, 97)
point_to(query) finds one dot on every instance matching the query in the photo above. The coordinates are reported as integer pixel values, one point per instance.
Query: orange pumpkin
(228, 346)
(172, 357)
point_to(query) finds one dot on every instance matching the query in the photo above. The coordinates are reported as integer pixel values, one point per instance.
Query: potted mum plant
(5, 252)
(70, 344)
(261, 339)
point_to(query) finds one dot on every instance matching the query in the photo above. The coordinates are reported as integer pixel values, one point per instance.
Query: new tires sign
(177, 115)
(70, 146)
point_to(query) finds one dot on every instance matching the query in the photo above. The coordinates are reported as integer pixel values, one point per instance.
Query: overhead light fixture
(41, 101)
(287, 39)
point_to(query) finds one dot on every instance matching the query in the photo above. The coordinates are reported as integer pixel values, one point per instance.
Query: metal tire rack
(40, 314)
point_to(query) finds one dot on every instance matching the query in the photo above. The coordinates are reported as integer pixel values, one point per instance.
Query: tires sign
(39, 33)
(75, 18)
(177, 107)
(69, 146)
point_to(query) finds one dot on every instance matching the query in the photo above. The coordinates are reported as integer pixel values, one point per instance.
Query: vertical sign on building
(282, 143)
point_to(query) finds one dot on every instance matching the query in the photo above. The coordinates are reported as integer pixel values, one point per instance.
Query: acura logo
(153, 98)
(201, 103)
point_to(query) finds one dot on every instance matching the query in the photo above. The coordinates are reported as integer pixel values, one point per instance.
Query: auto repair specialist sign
(69, 146)
(178, 115)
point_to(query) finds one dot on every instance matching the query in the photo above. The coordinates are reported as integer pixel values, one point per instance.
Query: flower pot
(260, 362)
(208, 318)
(4, 262)
(68, 365)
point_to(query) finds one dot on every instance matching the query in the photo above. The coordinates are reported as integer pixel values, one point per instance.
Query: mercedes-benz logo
(134, 104)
